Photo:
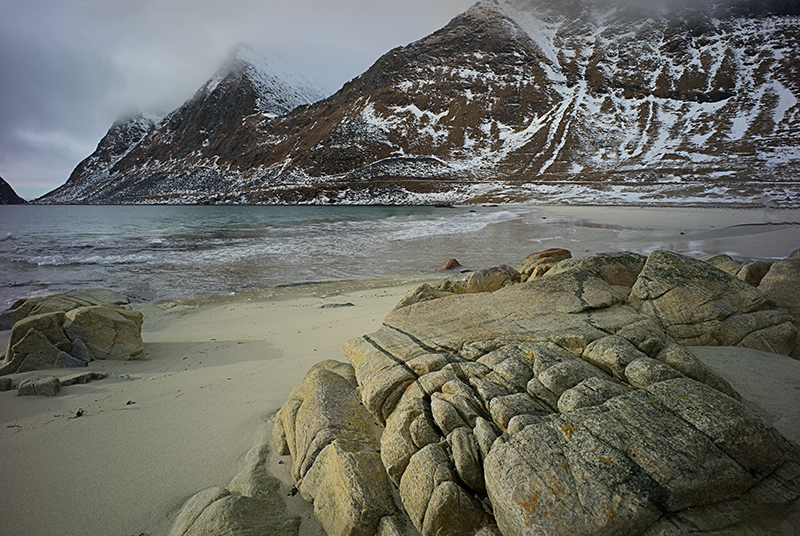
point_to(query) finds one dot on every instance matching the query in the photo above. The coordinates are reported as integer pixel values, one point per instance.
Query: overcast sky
(70, 68)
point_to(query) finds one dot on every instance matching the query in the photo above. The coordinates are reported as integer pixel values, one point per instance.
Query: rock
(724, 263)
(687, 364)
(646, 371)
(620, 270)
(698, 305)
(82, 378)
(33, 351)
(485, 280)
(467, 458)
(485, 436)
(108, 333)
(6, 384)
(194, 507)
(390, 526)
(612, 354)
(251, 504)
(451, 510)
(36, 342)
(39, 386)
(349, 489)
(592, 391)
(537, 264)
(422, 293)
(602, 470)
(433, 500)
(237, 515)
(445, 415)
(569, 397)
(753, 272)
(336, 461)
(780, 286)
(56, 303)
(504, 408)
(44, 338)
(450, 264)
(337, 305)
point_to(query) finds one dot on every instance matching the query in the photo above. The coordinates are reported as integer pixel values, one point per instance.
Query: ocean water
(159, 253)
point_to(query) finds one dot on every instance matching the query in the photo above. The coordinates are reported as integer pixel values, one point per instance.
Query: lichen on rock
(567, 405)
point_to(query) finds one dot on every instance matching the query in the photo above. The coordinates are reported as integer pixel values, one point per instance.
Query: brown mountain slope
(513, 100)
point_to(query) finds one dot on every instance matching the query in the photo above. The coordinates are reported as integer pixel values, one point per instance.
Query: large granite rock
(63, 331)
(568, 404)
(698, 305)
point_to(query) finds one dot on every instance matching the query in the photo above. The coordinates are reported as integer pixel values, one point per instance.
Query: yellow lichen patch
(604, 459)
(569, 430)
(565, 467)
(612, 513)
(529, 506)
(529, 355)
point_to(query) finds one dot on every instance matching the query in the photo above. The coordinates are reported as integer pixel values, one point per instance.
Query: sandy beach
(217, 369)
(119, 456)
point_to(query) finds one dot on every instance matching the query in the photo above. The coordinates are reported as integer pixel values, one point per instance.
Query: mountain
(591, 101)
(144, 158)
(7, 194)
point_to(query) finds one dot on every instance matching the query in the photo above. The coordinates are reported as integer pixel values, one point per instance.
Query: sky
(70, 68)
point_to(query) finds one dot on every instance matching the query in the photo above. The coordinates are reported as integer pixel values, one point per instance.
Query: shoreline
(521, 230)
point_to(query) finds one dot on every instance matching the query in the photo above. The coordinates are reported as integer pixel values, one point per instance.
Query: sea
(159, 253)
(151, 254)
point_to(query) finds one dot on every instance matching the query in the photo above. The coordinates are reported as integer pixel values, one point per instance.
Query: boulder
(609, 469)
(780, 285)
(54, 303)
(349, 489)
(73, 336)
(336, 462)
(450, 264)
(108, 333)
(753, 272)
(485, 280)
(421, 293)
(725, 263)
(537, 264)
(698, 305)
(39, 386)
(6, 384)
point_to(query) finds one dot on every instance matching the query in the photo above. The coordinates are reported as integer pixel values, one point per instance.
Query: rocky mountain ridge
(7, 194)
(513, 100)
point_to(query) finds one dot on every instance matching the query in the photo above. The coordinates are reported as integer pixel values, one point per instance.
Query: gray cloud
(71, 67)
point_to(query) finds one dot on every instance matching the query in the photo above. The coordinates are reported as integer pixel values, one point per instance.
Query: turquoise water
(156, 253)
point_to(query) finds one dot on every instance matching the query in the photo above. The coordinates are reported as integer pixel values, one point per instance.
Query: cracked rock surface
(566, 404)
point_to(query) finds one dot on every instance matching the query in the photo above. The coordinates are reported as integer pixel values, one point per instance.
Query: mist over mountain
(593, 101)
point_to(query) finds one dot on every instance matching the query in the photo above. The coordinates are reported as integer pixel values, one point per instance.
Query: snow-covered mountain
(146, 158)
(590, 101)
